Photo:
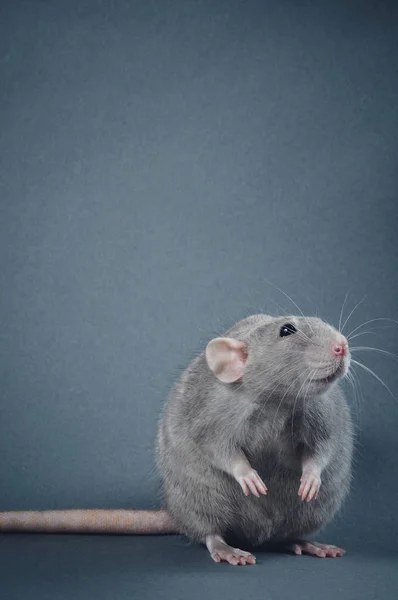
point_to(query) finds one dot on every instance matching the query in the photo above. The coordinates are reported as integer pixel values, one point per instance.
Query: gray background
(160, 161)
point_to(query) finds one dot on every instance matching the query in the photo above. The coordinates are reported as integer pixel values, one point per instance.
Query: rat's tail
(137, 522)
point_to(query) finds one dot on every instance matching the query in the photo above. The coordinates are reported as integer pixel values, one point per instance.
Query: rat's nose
(340, 347)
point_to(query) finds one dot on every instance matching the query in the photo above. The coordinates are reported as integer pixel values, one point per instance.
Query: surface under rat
(254, 444)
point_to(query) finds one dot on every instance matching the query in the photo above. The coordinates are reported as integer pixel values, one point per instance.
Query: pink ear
(226, 357)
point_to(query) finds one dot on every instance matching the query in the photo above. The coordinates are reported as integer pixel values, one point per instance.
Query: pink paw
(316, 549)
(309, 487)
(233, 556)
(221, 552)
(252, 482)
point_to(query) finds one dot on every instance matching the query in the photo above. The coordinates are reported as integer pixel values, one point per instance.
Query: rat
(254, 446)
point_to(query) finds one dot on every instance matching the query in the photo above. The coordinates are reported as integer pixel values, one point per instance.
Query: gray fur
(206, 422)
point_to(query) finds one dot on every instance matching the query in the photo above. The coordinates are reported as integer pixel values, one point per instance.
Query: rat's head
(294, 355)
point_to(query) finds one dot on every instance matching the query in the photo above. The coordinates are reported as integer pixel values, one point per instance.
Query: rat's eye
(287, 329)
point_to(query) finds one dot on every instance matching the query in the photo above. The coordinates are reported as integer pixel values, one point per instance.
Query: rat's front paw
(250, 481)
(310, 484)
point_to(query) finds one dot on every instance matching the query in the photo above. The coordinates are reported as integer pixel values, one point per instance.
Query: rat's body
(208, 425)
(260, 405)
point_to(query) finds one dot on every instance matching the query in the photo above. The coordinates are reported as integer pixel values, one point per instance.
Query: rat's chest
(284, 439)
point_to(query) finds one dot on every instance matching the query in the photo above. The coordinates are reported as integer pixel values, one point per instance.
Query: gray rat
(256, 439)
(254, 444)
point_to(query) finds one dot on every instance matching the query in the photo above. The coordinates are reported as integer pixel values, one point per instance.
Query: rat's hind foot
(220, 551)
(315, 549)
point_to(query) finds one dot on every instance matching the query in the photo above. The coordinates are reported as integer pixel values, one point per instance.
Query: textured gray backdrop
(160, 160)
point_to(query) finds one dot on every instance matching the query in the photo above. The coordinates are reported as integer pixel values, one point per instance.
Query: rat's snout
(330, 357)
(340, 347)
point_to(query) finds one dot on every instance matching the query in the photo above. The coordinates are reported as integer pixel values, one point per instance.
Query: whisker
(360, 396)
(288, 297)
(305, 336)
(360, 348)
(280, 307)
(371, 321)
(295, 401)
(355, 307)
(351, 379)
(260, 309)
(305, 405)
(368, 370)
(342, 310)
(284, 395)
(363, 333)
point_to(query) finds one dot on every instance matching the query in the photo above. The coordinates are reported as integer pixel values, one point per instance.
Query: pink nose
(339, 348)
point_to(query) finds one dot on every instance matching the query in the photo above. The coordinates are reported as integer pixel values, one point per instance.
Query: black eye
(287, 329)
